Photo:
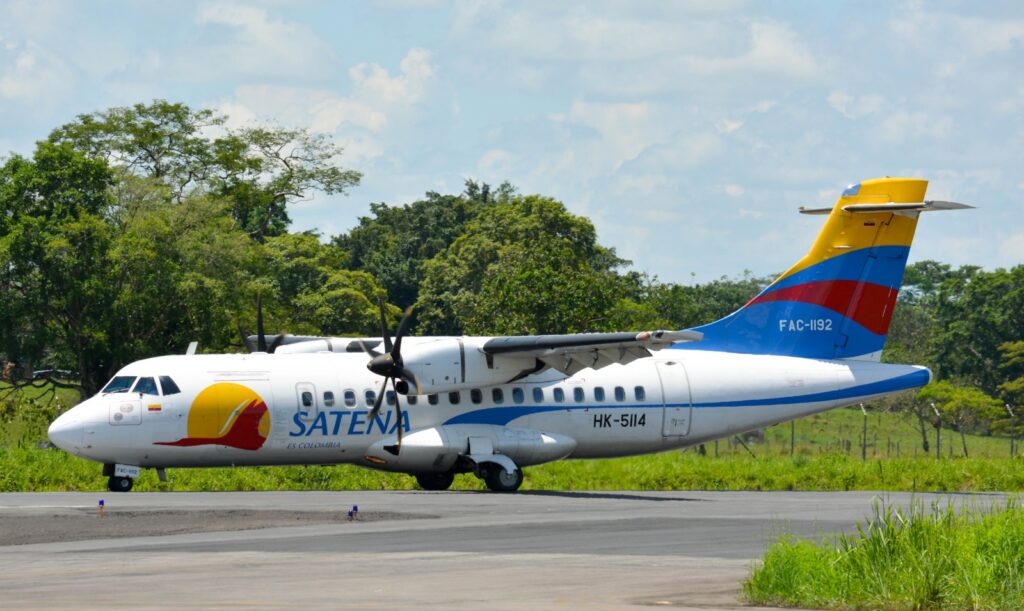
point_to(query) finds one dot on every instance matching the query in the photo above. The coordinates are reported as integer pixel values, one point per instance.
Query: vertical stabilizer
(837, 301)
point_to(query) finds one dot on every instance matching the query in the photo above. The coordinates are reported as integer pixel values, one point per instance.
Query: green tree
(524, 266)
(55, 273)
(394, 243)
(259, 170)
(961, 406)
(314, 294)
(977, 311)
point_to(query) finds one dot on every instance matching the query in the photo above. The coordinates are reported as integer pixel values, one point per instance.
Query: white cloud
(257, 45)
(855, 107)
(374, 84)
(495, 162)
(30, 73)
(734, 190)
(357, 120)
(727, 126)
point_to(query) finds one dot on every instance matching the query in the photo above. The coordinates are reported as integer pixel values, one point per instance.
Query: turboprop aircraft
(811, 341)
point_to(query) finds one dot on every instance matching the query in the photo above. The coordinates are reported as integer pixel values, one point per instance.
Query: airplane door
(675, 393)
(307, 400)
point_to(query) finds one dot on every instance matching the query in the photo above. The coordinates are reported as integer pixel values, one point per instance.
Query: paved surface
(449, 550)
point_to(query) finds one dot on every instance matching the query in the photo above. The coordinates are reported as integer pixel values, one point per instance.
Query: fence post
(864, 437)
(938, 432)
(1013, 430)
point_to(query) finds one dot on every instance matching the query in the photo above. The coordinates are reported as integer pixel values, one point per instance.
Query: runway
(446, 550)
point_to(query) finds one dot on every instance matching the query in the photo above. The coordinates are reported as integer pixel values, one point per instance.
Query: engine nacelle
(437, 449)
(459, 363)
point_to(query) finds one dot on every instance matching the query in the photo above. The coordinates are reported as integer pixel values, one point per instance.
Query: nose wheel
(119, 484)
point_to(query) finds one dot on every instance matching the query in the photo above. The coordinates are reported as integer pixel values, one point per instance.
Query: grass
(936, 558)
(28, 468)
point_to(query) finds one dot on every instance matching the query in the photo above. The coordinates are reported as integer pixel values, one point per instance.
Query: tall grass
(915, 558)
(28, 468)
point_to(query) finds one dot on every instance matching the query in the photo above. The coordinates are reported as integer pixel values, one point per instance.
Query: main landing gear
(494, 475)
(498, 479)
(435, 481)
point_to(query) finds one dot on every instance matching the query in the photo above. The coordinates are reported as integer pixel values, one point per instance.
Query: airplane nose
(66, 433)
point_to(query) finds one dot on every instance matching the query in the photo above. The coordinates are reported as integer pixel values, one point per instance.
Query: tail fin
(836, 302)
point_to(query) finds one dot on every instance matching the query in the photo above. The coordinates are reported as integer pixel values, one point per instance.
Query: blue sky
(689, 132)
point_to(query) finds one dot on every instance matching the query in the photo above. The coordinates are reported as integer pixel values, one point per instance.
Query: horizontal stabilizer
(909, 207)
(891, 207)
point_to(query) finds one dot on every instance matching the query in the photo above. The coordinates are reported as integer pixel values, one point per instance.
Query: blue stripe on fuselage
(501, 416)
(851, 265)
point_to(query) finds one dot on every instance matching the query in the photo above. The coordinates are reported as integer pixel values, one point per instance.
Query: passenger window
(538, 395)
(307, 399)
(599, 393)
(146, 386)
(620, 394)
(168, 386)
(350, 397)
(497, 396)
(559, 395)
(639, 393)
(577, 394)
(517, 395)
(476, 396)
(371, 397)
(432, 399)
(119, 384)
(328, 398)
(454, 397)
(411, 399)
(389, 396)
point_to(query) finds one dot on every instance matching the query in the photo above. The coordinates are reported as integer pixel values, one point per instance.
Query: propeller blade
(245, 339)
(402, 326)
(384, 328)
(277, 342)
(377, 403)
(397, 447)
(410, 377)
(367, 349)
(261, 340)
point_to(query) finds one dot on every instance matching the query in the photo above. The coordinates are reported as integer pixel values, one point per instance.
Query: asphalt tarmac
(409, 550)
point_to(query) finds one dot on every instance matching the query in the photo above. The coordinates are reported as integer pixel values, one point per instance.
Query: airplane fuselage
(264, 409)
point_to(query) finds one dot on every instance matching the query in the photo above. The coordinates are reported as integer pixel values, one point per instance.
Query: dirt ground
(83, 524)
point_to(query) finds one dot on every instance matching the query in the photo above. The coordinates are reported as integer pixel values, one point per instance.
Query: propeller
(261, 336)
(389, 365)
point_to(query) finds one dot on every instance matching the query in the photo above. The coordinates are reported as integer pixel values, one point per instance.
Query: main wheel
(435, 481)
(500, 480)
(119, 484)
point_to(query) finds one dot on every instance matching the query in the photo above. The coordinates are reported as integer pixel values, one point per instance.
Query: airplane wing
(575, 352)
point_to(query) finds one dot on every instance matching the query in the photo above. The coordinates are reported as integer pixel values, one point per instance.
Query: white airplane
(809, 342)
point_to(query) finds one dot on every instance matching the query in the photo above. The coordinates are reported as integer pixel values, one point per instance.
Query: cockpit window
(146, 386)
(119, 384)
(168, 386)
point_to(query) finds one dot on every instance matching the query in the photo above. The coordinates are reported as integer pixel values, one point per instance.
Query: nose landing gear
(120, 477)
(119, 484)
